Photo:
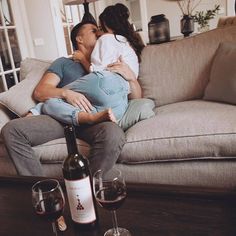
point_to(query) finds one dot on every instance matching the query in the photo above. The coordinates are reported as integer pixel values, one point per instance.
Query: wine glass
(48, 200)
(110, 192)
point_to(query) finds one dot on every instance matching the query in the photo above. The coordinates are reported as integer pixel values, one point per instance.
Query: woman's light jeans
(103, 89)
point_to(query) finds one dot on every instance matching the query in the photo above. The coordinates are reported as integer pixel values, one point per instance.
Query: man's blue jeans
(103, 89)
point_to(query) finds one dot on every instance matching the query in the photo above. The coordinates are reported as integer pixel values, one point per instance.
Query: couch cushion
(226, 21)
(222, 84)
(55, 151)
(180, 70)
(30, 64)
(18, 98)
(183, 131)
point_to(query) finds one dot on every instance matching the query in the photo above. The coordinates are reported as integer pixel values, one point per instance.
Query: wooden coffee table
(148, 210)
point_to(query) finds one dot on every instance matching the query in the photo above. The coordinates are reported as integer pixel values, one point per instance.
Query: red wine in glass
(48, 200)
(110, 197)
(110, 192)
(50, 208)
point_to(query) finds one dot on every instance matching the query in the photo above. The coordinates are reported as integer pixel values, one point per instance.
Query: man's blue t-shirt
(67, 70)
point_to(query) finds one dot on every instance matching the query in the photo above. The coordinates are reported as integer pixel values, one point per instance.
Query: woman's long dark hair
(116, 18)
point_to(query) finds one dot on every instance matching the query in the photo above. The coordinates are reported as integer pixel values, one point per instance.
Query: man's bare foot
(88, 118)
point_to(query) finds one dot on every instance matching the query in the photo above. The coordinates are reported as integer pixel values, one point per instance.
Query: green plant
(203, 17)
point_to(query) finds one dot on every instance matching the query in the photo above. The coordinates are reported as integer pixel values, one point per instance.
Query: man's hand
(77, 100)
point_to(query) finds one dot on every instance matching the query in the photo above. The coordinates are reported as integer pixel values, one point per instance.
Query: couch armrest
(5, 116)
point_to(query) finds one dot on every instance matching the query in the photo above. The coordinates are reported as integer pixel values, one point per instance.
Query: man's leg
(107, 140)
(20, 135)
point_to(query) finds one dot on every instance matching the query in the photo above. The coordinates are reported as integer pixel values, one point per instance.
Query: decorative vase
(158, 29)
(187, 25)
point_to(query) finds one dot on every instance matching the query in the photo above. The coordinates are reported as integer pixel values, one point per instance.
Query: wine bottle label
(81, 200)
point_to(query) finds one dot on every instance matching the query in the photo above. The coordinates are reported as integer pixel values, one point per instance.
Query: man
(106, 138)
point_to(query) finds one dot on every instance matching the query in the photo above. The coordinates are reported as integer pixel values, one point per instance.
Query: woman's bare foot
(88, 118)
(29, 114)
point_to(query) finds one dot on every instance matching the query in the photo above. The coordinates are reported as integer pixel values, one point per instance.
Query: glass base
(121, 232)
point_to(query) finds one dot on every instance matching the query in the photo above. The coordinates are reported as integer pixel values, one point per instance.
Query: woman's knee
(5, 131)
(12, 128)
(50, 106)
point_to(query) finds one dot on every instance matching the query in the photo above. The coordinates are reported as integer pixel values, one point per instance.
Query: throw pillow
(30, 64)
(138, 109)
(18, 98)
(222, 84)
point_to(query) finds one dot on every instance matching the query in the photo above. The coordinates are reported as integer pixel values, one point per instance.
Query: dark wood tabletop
(148, 210)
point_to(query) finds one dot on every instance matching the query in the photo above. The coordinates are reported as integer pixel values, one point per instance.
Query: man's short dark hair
(75, 31)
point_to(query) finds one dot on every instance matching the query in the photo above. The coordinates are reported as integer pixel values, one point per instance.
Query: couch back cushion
(180, 70)
(29, 65)
(18, 99)
(222, 84)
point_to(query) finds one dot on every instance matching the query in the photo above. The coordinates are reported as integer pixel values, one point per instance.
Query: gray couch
(190, 141)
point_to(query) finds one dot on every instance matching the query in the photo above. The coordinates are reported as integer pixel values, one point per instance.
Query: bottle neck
(71, 140)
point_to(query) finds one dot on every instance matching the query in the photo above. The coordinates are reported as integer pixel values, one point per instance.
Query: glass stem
(54, 229)
(115, 225)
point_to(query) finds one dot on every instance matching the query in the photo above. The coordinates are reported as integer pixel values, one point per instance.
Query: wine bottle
(78, 184)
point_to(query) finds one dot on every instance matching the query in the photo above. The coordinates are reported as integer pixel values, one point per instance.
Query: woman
(107, 91)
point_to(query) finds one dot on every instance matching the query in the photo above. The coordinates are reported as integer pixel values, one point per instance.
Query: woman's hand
(78, 56)
(123, 69)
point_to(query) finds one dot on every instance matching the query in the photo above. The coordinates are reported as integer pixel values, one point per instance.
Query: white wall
(230, 8)
(41, 20)
(173, 13)
(22, 28)
(170, 8)
(42, 29)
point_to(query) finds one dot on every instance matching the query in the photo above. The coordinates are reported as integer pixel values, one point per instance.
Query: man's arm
(124, 69)
(47, 88)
